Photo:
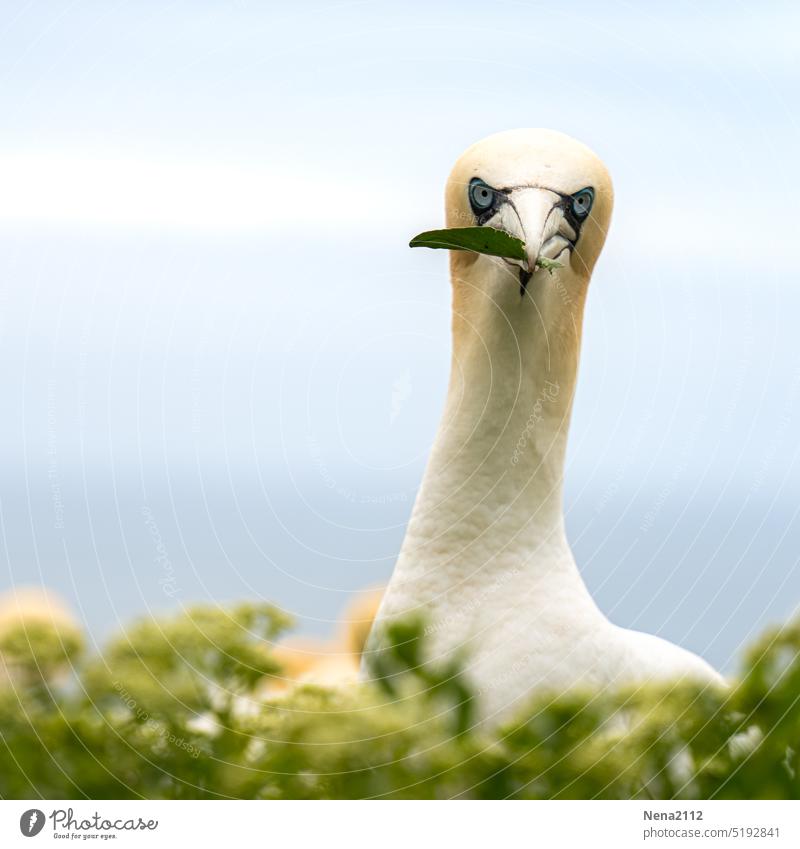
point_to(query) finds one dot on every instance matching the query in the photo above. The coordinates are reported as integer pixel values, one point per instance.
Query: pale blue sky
(208, 309)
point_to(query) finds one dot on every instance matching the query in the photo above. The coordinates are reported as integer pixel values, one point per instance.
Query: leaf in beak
(480, 240)
(548, 264)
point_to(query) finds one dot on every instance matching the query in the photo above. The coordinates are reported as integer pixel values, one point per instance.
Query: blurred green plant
(169, 710)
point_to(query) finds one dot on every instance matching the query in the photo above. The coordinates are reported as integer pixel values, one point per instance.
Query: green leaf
(548, 264)
(480, 240)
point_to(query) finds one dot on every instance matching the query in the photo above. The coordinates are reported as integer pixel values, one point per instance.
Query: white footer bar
(410, 825)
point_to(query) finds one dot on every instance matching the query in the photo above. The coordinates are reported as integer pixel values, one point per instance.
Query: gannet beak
(540, 219)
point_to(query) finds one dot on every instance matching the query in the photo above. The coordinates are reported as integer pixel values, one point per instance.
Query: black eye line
(507, 190)
(563, 195)
(565, 203)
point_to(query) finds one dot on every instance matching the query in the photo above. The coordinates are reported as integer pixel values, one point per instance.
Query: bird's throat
(491, 497)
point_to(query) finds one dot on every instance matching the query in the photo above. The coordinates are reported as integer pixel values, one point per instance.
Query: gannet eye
(582, 202)
(481, 196)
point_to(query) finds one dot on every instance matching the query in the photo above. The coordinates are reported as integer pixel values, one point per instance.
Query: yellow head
(542, 187)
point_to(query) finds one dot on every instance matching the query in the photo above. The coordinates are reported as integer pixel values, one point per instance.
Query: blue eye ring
(582, 202)
(482, 196)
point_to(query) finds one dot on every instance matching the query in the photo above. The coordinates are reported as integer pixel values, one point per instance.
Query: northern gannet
(324, 663)
(485, 559)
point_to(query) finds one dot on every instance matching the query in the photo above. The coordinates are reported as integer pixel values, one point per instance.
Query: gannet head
(541, 186)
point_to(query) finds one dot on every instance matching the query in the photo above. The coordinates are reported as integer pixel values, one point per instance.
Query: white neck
(491, 498)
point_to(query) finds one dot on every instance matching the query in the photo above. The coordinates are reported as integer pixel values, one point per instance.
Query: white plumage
(485, 559)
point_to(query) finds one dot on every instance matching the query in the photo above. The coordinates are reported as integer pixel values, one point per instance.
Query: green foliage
(36, 651)
(480, 240)
(398, 668)
(168, 711)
